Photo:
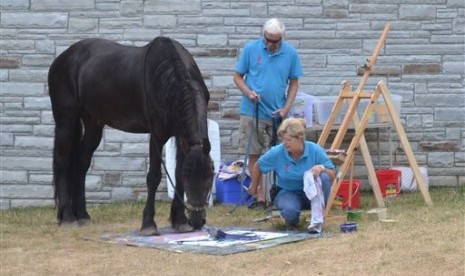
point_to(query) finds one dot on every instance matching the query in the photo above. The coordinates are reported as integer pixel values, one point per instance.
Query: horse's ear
(206, 146)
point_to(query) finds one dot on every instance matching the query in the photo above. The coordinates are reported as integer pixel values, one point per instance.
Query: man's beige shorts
(248, 127)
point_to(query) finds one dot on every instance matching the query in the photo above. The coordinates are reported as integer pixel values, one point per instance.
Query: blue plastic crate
(228, 191)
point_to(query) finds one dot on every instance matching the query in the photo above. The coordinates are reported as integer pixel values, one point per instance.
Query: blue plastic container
(228, 191)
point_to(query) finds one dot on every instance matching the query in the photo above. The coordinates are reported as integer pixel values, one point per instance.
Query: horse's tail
(73, 161)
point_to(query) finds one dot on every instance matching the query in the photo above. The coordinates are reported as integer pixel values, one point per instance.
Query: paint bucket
(354, 215)
(341, 200)
(389, 182)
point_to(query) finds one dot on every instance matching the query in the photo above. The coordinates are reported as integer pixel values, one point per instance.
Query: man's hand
(253, 189)
(253, 96)
(282, 112)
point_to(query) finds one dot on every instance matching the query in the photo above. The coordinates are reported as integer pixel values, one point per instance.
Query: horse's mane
(181, 91)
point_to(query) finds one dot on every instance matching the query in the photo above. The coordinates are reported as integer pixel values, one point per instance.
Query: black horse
(156, 89)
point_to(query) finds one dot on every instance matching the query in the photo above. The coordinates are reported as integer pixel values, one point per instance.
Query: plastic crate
(303, 108)
(361, 108)
(324, 105)
(382, 113)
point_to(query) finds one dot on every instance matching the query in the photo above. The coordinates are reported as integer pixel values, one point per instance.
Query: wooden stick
(354, 103)
(351, 180)
(351, 153)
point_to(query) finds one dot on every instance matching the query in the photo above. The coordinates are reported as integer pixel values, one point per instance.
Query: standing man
(267, 73)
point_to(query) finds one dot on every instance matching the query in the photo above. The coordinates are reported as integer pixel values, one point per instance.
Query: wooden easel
(344, 94)
(358, 139)
(353, 99)
(381, 89)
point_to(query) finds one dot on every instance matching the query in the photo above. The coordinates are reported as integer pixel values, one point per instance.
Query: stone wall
(423, 61)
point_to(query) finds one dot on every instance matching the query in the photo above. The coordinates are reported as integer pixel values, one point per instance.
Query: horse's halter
(191, 208)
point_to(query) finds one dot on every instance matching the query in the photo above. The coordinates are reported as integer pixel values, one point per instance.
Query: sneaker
(315, 228)
(271, 209)
(258, 205)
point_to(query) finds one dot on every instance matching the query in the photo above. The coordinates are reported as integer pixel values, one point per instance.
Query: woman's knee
(326, 185)
(289, 206)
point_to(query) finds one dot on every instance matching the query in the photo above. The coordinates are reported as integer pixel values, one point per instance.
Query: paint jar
(348, 227)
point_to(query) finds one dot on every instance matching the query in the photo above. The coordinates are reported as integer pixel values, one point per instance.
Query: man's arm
(240, 83)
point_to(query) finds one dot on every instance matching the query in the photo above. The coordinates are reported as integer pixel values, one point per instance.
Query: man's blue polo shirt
(290, 173)
(268, 75)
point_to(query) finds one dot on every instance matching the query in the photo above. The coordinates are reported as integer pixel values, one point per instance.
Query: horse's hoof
(182, 228)
(83, 222)
(149, 231)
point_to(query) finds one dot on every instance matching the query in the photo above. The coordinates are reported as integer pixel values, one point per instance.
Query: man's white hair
(274, 26)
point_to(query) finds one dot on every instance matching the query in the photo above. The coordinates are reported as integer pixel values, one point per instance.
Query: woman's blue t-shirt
(289, 173)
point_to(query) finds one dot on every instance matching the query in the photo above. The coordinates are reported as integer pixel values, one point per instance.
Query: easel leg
(351, 182)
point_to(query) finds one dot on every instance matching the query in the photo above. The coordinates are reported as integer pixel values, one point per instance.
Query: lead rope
(246, 158)
(276, 121)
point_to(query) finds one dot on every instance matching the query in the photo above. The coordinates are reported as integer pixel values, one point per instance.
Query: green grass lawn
(416, 240)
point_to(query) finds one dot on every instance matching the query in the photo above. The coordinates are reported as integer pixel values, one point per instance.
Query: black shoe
(271, 209)
(258, 205)
(315, 228)
(291, 226)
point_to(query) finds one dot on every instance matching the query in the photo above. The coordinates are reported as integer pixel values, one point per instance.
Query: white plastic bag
(408, 181)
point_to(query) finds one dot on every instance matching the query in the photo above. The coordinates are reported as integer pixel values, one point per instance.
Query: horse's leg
(149, 227)
(177, 213)
(67, 136)
(90, 141)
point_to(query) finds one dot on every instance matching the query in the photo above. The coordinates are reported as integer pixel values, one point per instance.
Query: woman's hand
(317, 170)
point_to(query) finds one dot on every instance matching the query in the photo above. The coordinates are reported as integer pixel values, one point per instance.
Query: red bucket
(341, 200)
(389, 182)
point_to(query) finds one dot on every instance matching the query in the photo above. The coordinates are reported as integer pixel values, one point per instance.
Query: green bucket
(354, 215)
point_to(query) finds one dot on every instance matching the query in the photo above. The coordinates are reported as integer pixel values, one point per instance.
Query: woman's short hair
(274, 26)
(294, 127)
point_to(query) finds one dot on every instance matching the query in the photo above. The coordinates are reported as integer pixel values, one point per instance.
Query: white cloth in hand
(314, 191)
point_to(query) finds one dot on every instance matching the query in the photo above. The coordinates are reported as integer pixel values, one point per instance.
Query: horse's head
(198, 178)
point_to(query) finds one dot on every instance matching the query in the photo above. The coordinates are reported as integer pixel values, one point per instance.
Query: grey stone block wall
(422, 60)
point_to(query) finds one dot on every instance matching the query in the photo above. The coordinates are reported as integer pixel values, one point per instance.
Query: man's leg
(252, 141)
(253, 158)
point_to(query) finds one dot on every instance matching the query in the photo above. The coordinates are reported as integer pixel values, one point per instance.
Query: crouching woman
(296, 162)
